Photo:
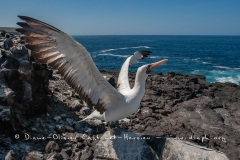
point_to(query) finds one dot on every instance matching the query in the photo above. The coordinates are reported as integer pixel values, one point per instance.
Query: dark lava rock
(11, 155)
(76, 105)
(60, 128)
(34, 155)
(66, 153)
(30, 96)
(87, 154)
(51, 147)
(187, 106)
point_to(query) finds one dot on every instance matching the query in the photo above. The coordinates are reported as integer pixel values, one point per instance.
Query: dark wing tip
(145, 53)
(23, 25)
(29, 19)
(24, 17)
(20, 30)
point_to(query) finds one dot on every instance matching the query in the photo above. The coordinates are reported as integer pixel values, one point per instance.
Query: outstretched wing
(123, 81)
(60, 51)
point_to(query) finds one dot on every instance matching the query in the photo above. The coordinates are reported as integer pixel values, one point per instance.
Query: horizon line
(153, 35)
(2, 28)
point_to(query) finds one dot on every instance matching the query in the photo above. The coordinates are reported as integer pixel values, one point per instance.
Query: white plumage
(57, 49)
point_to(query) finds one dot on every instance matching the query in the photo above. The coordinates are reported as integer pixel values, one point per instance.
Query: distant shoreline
(158, 35)
(9, 30)
(13, 30)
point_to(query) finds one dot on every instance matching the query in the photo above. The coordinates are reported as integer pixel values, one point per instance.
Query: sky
(129, 17)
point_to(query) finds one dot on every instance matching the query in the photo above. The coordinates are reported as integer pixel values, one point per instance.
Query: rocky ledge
(180, 117)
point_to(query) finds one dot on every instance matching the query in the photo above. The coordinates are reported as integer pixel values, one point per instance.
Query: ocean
(216, 57)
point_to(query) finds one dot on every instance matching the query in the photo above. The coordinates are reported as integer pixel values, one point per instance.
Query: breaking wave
(227, 68)
(123, 48)
(114, 55)
(235, 80)
(206, 62)
(220, 75)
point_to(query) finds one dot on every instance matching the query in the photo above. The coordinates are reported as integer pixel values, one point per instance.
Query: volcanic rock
(122, 145)
(34, 155)
(178, 149)
(51, 146)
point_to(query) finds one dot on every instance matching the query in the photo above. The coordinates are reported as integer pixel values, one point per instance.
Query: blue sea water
(216, 57)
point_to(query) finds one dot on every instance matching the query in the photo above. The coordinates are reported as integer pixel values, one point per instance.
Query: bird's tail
(95, 115)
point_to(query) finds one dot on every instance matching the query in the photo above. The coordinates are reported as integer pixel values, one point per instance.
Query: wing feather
(123, 81)
(57, 49)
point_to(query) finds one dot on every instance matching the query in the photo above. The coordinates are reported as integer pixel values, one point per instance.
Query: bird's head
(151, 67)
(145, 70)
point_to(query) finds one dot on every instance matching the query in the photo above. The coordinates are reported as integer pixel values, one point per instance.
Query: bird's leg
(112, 126)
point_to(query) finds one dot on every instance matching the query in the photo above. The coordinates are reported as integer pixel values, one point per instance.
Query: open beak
(156, 64)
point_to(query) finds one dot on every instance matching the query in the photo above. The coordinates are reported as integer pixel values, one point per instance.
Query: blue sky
(129, 17)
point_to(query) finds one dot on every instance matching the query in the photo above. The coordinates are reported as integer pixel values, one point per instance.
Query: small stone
(63, 116)
(51, 147)
(57, 118)
(69, 129)
(56, 90)
(34, 155)
(50, 127)
(34, 129)
(68, 93)
(60, 128)
(85, 111)
(50, 135)
(76, 105)
(80, 127)
(55, 99)
(11, 155)
(76, 155)
(87, 154)
(67, 145)
(4, 114)
(66, 153)
(89, 131)
(58, 156)
(53, 156)
(70, 121)
(80, 145)
(146, 112)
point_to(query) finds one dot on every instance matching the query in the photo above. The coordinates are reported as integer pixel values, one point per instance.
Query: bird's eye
(148, 71)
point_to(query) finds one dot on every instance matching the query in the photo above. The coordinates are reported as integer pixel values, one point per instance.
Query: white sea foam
(222, 67)
(196, 59)
(154, 57)
(220, 75)
(107, 50)
(226, 76)
(158, 57)
(114, 55)
(226, 67)
(123, 48)
(206, 62)
(235, 80)
(141, 47)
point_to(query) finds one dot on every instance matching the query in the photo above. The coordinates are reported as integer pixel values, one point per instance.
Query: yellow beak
(156, 64)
